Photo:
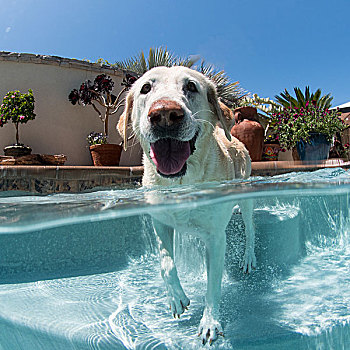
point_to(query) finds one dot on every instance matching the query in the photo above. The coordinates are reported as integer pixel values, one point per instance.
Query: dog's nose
(165, 113)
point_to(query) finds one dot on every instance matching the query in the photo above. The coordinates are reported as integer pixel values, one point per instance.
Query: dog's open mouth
(170, 155)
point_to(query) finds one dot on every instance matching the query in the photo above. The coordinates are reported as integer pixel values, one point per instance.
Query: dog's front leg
(177, 299)
(210, 327)
(249, 260)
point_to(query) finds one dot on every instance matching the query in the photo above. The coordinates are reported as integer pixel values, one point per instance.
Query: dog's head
(170, 108)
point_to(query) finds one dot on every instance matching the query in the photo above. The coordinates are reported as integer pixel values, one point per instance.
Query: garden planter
(251, 133)
(17, 151)
(246, 112)
(106, 154)
(270, 151)
(316, 149)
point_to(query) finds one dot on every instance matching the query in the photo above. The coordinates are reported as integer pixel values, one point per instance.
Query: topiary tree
(17, 108)
(100, 91)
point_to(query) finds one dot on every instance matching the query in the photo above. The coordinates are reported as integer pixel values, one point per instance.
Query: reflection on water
(298, 298)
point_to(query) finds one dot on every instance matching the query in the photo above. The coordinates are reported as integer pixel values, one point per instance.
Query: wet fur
(217, 157)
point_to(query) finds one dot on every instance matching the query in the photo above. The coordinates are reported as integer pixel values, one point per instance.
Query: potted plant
(347, 151)
(103, 153)
(285, 99)
(100, 91)
(309, 129)
(267, 106)
(338, 150)
(248, 130)
(250, 126)
(17, 108)
(271, 148)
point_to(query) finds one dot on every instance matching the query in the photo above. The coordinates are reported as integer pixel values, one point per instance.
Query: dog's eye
(146, 88)
(191, 86)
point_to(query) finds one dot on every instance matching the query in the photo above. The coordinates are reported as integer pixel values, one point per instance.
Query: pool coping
(53, 179)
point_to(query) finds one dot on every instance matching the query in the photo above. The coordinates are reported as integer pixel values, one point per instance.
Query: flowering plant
(265, 105)
(293, 124)
(271, 138)
(100, 91)
(96, 138)
(17, 108)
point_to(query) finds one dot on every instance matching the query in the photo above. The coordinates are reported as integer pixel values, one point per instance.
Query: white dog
(174, 113)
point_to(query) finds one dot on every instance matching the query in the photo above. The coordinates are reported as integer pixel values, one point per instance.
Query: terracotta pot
(17, 151)
(246, 112)
(251, 133)
(106, 154)
(270, 151)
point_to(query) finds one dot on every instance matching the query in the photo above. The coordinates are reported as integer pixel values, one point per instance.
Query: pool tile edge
(53, 179)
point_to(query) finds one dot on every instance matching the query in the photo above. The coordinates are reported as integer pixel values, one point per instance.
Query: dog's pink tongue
(170, 155)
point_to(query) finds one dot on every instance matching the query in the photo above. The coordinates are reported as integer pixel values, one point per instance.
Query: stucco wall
(59, 127)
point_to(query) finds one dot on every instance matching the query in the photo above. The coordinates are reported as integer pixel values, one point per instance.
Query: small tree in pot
(100, 92)
(19, 109)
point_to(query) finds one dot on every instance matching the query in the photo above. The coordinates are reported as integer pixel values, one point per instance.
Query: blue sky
(265, 45)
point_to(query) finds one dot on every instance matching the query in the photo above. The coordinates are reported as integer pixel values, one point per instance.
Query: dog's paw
(209, 328)
(249, 261)
(178, 303)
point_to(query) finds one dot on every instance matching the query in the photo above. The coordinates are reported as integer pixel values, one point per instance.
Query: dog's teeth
(166, 121)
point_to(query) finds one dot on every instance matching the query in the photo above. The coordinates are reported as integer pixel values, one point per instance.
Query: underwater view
(81, 271)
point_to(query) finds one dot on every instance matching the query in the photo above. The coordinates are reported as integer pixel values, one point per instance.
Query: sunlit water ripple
(302, 306)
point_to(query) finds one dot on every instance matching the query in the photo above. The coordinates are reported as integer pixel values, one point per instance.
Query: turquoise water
(80, 271)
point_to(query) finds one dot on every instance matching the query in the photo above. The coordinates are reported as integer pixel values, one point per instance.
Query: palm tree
(157, 57)
(302, 100)
(229, 92)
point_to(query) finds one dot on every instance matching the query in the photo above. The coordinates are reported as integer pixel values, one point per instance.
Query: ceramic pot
(251, 133)
(246, 112)
(316, 149)
(270, 151)
(17, 151)
(106, 154)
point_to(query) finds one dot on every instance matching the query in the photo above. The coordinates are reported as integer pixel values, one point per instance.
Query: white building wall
(59, 127)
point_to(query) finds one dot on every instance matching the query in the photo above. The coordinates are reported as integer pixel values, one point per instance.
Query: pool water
(80, 271)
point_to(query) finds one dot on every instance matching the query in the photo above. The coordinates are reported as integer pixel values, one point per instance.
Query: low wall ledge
(59, 61)
(54, 179)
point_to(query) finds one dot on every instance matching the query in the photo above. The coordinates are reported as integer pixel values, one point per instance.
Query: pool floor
(127, 309)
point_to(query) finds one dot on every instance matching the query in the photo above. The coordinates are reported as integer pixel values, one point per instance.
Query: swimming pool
(80, 271)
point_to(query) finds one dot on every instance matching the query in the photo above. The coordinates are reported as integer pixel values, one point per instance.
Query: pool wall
(65, 251)
(281, 225)
(56, 179)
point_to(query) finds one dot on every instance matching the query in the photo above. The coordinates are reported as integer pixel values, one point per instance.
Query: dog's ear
(214, 102)
(227, 113)
(122, 125)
